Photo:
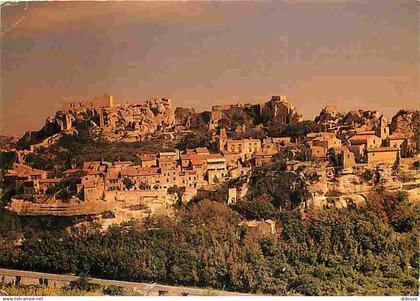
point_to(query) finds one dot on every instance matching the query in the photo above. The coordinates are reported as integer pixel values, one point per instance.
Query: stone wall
(147, 289)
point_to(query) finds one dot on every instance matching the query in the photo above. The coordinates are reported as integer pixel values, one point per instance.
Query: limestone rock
(348, 184)
(359, 118)
(183, 115)
(329, 116)
(281, 110)
(120, 122)
(406, 123)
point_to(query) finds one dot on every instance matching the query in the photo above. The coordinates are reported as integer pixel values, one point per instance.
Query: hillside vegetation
(371, 250)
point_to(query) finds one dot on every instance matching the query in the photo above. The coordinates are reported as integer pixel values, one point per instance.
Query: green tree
(331, 156)
(7, 159)
(128, 183)
(143, 186)
(193, 140)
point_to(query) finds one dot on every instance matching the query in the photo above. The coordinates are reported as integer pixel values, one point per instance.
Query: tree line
(368, 250)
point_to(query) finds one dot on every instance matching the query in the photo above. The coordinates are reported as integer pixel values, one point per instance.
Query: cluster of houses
(199, 167)
(192, 168)
(369, 147)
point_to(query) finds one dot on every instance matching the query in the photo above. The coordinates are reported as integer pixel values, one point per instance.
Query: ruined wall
(94, 103)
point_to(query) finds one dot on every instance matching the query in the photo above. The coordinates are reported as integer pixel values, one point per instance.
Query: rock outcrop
(58, 208)
(329, 117)
(280, 110)
(406, 123)
(360, 118)
(120, 122)
(139, 119)
(183, 116)
(277, 111)
(188, 118)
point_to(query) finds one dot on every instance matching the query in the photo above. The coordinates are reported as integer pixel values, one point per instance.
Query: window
(43, 281)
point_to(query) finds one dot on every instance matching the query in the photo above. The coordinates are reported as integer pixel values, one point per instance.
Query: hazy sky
(356, 54)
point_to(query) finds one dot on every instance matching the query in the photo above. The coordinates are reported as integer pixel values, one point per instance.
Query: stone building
(315, 152)
(239, 171)
(222, 140)
(382, 130)
(382, 155)
(245, 147)
(23, 174)
(141, 176)
(400, 142)
(216, 169)
(368, 141)
(169, 177)
(232, 196)
(93, 188)
(266, 227)
(148, 160)
(264, 157)
(191, 179)
(318, 144)
(347, 158)
(232, 159)
(327, 142)
(274, 143)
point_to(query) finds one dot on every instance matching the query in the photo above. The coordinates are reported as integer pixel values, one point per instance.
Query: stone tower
(101, 119)
(232, 196)
(382, 130)
(68, 125)
(221, 142)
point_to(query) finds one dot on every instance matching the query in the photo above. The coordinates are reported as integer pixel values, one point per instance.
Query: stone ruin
(119, 122)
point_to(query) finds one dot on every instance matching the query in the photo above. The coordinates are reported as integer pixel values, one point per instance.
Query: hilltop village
(339, 160)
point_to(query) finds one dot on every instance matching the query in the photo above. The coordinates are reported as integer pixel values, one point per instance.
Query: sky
(355, 54)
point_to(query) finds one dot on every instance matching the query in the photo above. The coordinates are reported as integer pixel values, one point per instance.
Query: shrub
(367, 175)
(83, 284)
(128, 183)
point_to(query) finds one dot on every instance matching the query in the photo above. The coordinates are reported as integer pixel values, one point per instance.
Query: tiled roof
(146, 157)
(53, 180)
(21, 170)
(383, 149)
(123, 162)
(145, 171)
(362, 137)
(201, 150)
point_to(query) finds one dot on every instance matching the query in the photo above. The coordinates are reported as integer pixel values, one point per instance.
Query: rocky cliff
(406, 123)
(330, 116)
(277, 111)
(190, 119)
(121, 122)
(359, 118)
